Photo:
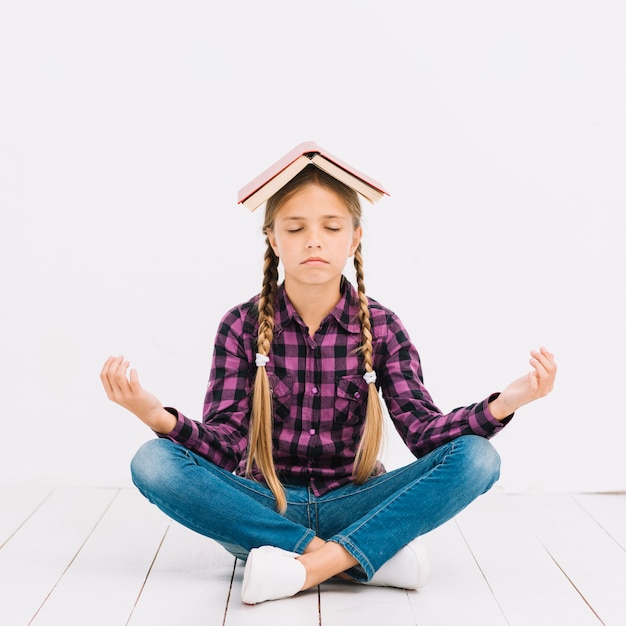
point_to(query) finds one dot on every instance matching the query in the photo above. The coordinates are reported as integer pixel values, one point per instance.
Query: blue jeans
(372, 521)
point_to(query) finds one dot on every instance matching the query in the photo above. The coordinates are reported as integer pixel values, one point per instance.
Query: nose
(314, 240)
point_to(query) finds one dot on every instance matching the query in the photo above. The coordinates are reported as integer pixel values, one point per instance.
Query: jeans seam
(381, 479)
(409, 486)
(342, 539)
(309, 535)
(248, 485)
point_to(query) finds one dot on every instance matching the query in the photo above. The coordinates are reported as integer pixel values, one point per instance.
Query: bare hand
(532, 386)
(126, 391)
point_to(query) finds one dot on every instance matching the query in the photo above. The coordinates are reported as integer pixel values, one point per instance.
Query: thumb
(134, 380)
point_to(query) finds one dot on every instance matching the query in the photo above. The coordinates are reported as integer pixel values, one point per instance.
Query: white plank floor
(107, 557)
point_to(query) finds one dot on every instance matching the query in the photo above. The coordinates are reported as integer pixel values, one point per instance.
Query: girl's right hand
(128, 393)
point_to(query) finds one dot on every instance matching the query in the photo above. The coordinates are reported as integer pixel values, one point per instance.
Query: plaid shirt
(319, 395)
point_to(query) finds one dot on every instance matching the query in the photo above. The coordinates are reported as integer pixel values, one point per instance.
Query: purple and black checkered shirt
(319, 394)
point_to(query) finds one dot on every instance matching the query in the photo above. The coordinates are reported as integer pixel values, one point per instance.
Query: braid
(260, 450)
(266, 300)
(364, 313)
(371, 439)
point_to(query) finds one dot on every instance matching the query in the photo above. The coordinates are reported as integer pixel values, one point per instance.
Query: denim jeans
(371, 521)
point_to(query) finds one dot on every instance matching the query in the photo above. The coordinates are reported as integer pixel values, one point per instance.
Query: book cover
(257, 191)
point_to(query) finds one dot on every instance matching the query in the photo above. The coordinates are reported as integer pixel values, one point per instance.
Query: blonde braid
(260, 450)
(372, 436)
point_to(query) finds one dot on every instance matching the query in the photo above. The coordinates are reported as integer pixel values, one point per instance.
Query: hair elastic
(261, 360)
(369, 377)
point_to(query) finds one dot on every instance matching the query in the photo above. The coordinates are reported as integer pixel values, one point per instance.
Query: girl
(283, 469)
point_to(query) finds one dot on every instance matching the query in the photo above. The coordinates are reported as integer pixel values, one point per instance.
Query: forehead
(313, 202)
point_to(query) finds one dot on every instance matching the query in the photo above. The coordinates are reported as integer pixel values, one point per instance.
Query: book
(266, 184)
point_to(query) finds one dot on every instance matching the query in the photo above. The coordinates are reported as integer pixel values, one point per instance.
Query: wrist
(500, 409)
(159, 420)
(167, 422)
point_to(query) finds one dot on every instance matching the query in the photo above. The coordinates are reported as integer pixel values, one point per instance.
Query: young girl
(283, 469)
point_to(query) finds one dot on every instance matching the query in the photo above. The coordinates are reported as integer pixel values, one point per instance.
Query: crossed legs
(353, 529)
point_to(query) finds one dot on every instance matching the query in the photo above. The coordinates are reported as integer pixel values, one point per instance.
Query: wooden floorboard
(609, 511)
(345, 603)
(107, 575)
(17, 506)
(43, 550)
(529, 586)
(582, 549)
(106, 556)
(190, 568)
(458, 592)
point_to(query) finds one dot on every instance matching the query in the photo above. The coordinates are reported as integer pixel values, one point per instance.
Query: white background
(127, 127)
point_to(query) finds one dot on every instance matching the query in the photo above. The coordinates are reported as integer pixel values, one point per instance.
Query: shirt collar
(346, 313)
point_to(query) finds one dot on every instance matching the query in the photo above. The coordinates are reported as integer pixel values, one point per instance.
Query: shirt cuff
(489, 415)
(180, 423)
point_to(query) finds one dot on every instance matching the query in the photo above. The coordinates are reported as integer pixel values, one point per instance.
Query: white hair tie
(369, 377)
(261, 360)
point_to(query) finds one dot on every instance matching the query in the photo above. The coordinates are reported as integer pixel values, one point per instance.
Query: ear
(356, 239)
(269, 233)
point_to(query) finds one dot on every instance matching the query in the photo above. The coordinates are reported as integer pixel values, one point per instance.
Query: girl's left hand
(532, 386)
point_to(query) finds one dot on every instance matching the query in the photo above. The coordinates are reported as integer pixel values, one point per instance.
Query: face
(314, 236)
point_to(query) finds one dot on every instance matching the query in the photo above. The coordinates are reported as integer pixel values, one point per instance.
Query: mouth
(314, 260)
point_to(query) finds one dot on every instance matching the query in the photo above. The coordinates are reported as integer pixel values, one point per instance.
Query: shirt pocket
(351, 399)
(281, 389)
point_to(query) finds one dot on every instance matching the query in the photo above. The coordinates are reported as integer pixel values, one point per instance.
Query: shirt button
(357, 394)
(312, 431)
(314, 390)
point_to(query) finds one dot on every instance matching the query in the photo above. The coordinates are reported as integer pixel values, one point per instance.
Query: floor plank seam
(75, 556)
(480, 569)
(319, 605)
(411, 606)
(596, 521)
(572, 583)
(21, 525)
(230, 591)
(145, 580)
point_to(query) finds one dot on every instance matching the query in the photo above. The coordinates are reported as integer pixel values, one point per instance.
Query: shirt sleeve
(221, 437)
(421, 424)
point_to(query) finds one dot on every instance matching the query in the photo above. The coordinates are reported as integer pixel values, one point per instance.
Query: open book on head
(256, 192)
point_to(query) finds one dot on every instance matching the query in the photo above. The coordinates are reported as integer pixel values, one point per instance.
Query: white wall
(126, 128)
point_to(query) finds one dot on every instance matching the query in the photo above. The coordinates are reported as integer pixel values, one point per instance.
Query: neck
(313, 302)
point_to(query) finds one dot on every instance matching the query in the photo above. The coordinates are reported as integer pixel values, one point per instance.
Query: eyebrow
(323, 217)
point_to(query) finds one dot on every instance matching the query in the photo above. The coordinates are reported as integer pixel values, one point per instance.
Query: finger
(117, 376)
(533, 383)
(106, 367)
(546, 359)
(111, 367)
(538, 362)
(107, 373)
(546, 352)
(545, 371)
(551, 363)
(134, 381)
(121, 376)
